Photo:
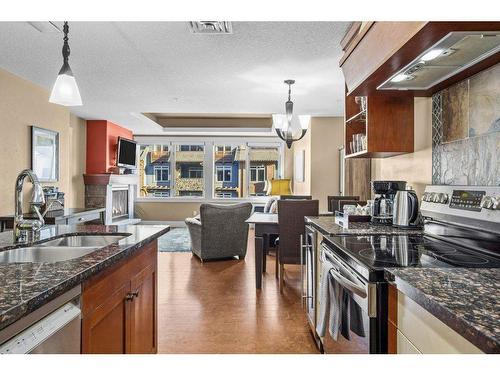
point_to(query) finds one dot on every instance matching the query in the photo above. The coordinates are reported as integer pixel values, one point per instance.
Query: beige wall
(304, 145)
(23, 104)
(415, 168)
(321, 146)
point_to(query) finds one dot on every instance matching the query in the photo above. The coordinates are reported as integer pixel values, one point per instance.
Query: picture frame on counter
(45, 154)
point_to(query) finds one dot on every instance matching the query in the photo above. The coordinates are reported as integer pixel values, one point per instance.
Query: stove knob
(434, 197)
(443, 198)
(488, 202)
(496, 203)
(425, 197)
(438, 197)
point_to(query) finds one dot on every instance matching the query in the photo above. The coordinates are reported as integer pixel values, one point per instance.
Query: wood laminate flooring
(214, 307)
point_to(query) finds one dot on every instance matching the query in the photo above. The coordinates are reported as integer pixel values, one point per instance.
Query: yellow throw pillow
(280, 187)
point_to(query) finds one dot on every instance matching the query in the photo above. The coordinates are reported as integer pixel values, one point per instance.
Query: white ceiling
(125, 68)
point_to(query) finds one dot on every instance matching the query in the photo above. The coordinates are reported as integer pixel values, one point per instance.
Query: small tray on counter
(344, 219)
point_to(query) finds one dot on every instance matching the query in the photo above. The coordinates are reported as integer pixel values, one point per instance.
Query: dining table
(265, 225)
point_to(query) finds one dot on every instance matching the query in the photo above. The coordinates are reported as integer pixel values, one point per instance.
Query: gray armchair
(221, 231)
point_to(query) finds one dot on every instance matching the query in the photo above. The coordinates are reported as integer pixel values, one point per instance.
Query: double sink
(59, 249)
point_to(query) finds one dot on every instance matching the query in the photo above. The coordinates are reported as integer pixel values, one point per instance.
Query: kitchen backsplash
(466, 131)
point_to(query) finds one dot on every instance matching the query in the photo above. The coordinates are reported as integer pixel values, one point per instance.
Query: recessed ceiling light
(432, 54)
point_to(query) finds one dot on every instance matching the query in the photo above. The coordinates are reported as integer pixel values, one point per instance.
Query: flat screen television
(127, 153)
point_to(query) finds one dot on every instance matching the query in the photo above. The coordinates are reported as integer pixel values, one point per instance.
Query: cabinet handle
(131, 296)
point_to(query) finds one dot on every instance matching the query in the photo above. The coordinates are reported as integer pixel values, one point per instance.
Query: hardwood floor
(214, 307)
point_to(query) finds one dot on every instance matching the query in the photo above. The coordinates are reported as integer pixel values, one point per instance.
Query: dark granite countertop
(467, 300)
(327, 226)
(24, 287)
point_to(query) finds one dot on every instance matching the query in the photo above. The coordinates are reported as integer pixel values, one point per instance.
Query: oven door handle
(348, 284)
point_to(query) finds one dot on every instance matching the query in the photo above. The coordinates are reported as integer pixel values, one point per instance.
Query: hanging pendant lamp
(65, 91)
(286, 128)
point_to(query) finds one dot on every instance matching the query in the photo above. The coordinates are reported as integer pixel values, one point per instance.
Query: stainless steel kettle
(405, 211)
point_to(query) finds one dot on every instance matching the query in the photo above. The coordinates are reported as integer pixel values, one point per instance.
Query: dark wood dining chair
(291, 224)
(333, 201)
(295, 197)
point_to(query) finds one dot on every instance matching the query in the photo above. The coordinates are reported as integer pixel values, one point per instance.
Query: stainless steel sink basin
(59, 249)
(47, 254)
(85, 240)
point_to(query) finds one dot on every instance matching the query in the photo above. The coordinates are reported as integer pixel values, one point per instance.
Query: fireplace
(116, 193)
(119, 205)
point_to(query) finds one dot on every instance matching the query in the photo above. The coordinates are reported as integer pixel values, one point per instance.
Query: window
(154, 170)
(224, 195)
(257, 173)
(161, 173)
(223, 173)
(223, 148)
(241, 169)
(189, 170)
(192, 172)
(190, 148)
(264, 165)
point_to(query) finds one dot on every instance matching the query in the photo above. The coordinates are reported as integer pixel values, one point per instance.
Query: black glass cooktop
(382, 251)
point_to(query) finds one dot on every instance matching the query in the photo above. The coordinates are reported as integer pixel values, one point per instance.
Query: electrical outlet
(195, 213)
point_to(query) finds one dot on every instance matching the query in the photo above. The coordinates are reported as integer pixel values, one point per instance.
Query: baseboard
(174, 224)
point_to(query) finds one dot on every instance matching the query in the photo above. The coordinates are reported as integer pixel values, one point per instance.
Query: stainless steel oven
(362, 297)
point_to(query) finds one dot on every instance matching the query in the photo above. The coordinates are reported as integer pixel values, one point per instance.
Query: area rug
(176, 240)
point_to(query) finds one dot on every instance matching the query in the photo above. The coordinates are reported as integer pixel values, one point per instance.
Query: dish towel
(352, 316)
(330, 303)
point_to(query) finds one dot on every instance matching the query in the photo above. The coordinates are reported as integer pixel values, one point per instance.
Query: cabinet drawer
(83, 218)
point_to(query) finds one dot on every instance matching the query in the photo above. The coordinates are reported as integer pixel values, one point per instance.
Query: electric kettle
(405, 210)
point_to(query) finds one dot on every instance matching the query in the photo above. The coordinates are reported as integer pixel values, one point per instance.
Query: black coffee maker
(383, 203)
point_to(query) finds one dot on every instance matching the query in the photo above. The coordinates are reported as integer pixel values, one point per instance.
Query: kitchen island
(25, 287)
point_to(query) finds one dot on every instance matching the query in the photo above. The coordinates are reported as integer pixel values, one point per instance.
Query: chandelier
(290, 129)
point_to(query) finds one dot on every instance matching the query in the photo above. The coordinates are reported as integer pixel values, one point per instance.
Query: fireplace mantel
(111, 179)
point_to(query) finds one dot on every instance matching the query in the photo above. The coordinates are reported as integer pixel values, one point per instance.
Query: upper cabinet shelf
(386, 129)
(375, 52)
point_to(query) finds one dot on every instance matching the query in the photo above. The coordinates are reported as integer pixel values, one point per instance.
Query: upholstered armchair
(220, 232)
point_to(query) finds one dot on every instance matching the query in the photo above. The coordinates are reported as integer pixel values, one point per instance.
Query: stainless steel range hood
(452, 54)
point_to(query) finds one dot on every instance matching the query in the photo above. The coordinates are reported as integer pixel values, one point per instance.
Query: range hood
(452, 54)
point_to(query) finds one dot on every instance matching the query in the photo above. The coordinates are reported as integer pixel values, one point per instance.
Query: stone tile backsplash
(466, 131)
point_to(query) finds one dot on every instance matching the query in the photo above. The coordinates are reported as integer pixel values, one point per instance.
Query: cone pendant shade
(65, 91)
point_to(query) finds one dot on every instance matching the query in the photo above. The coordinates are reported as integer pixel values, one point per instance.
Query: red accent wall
(102, 141)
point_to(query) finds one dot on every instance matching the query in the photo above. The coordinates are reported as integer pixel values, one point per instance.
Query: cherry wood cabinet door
(143, 319)
(104, 330)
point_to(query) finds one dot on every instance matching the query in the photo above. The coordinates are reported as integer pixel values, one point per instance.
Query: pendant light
(288, 129)
(65, 91)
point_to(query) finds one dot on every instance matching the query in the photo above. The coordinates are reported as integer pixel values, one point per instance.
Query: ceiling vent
(45, 27)
(211, 27)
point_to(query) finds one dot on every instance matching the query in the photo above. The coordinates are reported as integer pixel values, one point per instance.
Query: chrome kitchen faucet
(26, 229)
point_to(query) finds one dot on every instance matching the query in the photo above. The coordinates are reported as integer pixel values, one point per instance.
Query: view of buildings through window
(178, 170)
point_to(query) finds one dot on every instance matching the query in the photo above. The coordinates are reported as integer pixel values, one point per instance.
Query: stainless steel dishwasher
(54, 328)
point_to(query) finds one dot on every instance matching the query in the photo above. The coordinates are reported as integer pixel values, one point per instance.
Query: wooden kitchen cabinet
(119, 306)
(387, 122)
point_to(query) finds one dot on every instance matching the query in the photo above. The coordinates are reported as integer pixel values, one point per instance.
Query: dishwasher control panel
(33, 336)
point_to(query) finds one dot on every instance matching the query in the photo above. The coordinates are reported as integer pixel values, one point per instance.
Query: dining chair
(333, 201)
(296, 197)
(291, 215)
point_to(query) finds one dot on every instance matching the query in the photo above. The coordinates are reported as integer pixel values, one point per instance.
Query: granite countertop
(327, 226)
(467, 300)
(24, 287)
